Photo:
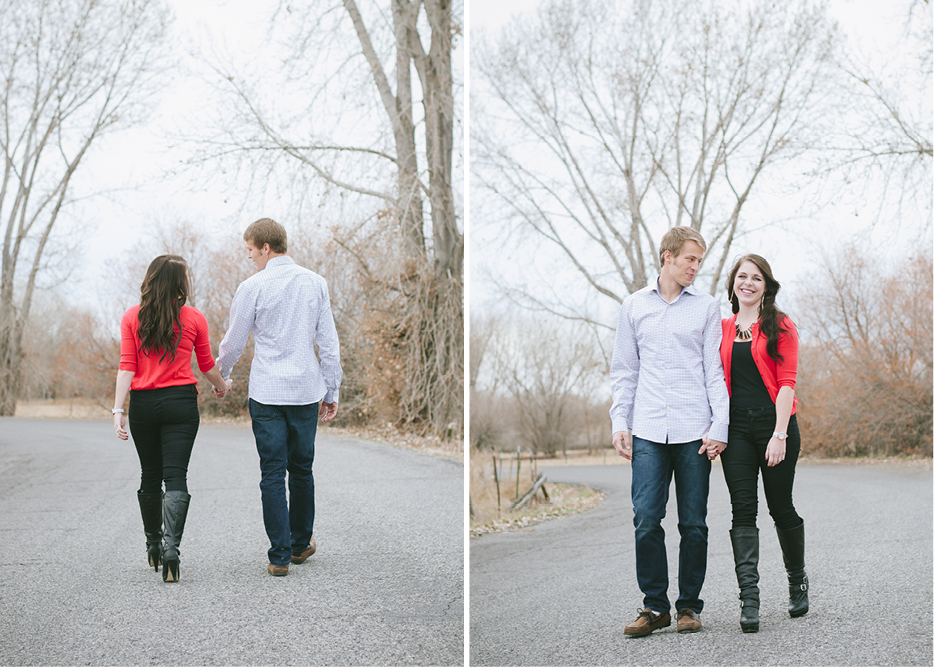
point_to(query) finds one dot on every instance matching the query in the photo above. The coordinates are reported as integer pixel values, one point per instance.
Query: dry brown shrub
(68, 354)
(412, 359)
(864, 372)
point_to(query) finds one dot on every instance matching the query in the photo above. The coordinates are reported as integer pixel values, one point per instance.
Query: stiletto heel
(155, 553)
(170, 570)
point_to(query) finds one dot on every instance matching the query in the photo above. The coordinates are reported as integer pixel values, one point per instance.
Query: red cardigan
(775, 375)
(149, 372)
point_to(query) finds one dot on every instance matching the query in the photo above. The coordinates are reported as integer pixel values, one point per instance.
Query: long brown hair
(770, 317)
(163, 293)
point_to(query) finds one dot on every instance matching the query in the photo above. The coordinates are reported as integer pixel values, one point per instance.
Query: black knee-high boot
(175, 512)
(792, 543)
(745, 542)
(150, 507)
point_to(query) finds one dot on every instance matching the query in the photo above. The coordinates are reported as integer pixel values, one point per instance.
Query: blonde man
(668, 393)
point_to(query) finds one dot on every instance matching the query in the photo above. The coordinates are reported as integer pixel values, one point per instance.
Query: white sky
(137, 159)
(876, 28)
(138, 156)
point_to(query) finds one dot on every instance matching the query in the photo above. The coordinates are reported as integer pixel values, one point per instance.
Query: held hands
(775, 452)
(220, 393)
(120, 426)
(327, 411)
(622, 442)
(713, 447)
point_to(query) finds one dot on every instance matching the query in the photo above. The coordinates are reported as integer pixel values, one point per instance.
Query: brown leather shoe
(278, 570)
(648, 620)
(688, 621)
(305, 554)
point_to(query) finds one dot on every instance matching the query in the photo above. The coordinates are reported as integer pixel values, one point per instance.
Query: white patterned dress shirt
(666, 375)
(288, 310)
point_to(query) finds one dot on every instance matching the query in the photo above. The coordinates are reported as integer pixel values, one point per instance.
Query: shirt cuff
(619, 424)
(719, 432)
(330, 396)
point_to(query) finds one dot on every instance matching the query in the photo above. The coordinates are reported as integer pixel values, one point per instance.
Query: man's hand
(220, 393)
(713, 447)
(328, 410)
(622, 441)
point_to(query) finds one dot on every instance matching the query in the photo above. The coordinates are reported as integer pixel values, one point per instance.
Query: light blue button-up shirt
(666, 375)
(287, 308)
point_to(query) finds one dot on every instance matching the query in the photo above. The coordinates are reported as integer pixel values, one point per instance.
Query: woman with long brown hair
(759, 350)
(157, 338)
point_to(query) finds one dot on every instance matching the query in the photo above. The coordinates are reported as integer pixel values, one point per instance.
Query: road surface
(561, 593)
(385, 586)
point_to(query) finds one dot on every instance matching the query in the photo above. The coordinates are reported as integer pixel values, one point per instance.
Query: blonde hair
(674, 239)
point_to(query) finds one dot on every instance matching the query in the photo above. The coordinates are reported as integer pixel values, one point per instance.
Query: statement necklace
(744, 334)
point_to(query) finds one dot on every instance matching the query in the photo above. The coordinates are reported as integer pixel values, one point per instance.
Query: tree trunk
(437, 82)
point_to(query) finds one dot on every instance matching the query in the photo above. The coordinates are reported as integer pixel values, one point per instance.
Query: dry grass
(585, 457)
(78, 408)
(490, 505)
(395, 436)
(390, 434)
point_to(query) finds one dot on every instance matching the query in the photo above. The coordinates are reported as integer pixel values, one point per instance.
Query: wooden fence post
(496, 479)
(518, 465)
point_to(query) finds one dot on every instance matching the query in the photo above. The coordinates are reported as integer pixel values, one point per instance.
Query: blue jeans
(285, 441)
(652, 467)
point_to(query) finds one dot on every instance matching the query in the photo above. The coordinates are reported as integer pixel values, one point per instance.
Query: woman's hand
(713, 447)
(120, 426)
(220, 393)
(775, 452)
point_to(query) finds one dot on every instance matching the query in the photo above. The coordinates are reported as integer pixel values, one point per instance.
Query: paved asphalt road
(561, 592)
(385, 587)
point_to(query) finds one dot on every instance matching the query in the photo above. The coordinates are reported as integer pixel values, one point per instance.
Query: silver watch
(779, 435)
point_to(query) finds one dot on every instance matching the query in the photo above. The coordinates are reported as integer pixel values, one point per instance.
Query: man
(288, 311)
(668, 392)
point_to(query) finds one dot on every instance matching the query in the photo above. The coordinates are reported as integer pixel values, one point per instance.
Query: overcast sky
(131, 165)
(137, 159)
(876, 29)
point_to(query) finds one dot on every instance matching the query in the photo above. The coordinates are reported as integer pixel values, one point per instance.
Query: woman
(759, 350)
(156, 341)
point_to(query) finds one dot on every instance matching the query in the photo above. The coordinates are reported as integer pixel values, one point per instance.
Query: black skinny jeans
(164, 423)
(750, 432)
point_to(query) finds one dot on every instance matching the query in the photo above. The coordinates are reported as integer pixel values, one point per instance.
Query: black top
(746, 385)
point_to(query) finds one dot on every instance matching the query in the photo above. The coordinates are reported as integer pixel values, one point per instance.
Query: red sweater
(149, 371)
(775, 375)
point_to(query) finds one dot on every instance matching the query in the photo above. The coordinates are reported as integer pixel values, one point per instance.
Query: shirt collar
(275, 261)
(690, 289)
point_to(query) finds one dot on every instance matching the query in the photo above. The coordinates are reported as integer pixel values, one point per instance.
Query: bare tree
(887, 137)
(390, 151)
(606, 123)
(547, 371)
(71, 71)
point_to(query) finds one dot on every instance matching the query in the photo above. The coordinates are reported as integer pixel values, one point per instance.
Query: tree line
(864, 382)
(74, 71)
